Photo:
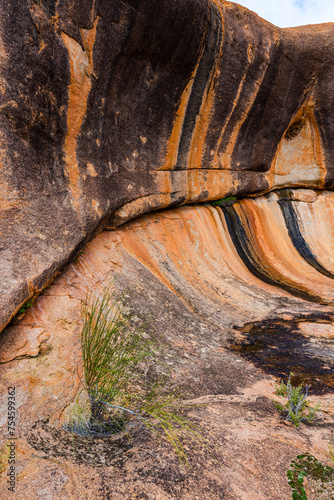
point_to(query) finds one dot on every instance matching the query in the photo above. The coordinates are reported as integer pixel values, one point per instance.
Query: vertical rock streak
(291, 221)
(248, 255)
(246, 237)
(200, 87)
(81, 67)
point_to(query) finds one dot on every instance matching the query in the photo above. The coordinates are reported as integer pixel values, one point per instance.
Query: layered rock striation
(113, 109)
(233, 305)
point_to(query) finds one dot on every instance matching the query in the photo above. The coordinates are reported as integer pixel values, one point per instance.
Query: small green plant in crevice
(320, 475)
(24, 308)
(80, 254)
(117, 395)
(297, 408)
(28, 303)
(223, 201)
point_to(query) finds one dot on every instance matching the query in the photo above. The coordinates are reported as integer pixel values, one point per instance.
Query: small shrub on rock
(297, 408)
(320, 478)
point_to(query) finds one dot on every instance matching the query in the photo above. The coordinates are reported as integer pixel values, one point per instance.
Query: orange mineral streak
(318, 236)
(265, 225)
(201, 128)
(4, 57)
(223, 159)
(300, 161)
(203, 119)
(81, 66)
(163, 179)
(174, 140)
(190, 249)
(220, 160)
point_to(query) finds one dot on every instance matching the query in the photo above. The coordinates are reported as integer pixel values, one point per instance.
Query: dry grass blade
(116, 354)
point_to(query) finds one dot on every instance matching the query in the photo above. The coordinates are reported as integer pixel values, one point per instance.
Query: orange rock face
(236, 304)
(114, 109)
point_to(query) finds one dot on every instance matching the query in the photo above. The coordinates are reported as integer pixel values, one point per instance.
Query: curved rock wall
(112, 109)
(242, 250)
(234, 305)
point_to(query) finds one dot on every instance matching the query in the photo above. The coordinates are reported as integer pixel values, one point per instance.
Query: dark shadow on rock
(58, 443)
(279, 347)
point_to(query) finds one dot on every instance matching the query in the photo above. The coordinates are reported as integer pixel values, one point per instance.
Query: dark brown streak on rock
(297, 238)
(203, 77)
(254, 264)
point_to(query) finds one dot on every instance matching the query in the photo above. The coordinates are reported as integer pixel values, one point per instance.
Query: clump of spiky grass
(117, 353)
(297, 403)
(78, 414)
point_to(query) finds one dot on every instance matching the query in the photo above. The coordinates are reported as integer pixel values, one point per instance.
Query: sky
(286, 13)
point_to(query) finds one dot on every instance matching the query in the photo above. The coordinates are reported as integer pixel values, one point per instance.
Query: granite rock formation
(228, 332)
(113, 109)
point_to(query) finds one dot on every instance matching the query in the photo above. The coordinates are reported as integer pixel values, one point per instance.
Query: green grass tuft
(331, 452)
(307, 465)
(116, 392)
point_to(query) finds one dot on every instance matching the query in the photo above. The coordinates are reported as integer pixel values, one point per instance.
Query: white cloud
(286, 13)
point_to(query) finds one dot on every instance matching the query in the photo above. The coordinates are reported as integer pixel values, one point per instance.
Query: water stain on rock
(304, 346)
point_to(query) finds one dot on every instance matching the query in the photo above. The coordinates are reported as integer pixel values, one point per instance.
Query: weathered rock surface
(212, 290)
(111, 109)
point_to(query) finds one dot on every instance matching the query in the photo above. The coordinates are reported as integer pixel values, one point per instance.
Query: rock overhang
(111, 110)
